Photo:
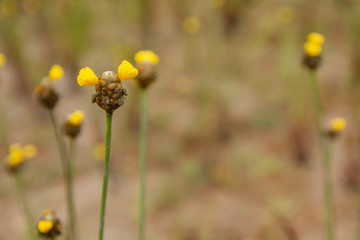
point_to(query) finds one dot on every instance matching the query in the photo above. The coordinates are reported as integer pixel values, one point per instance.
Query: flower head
(126, 71)
(313, 50)
(2, 59)
(48, 225)
(146, 61)
(146, 56)
(56, 72)
(17, 155)
(336, 126)
(72, 126)
(76, 117)
(87, 77)
(110, 93)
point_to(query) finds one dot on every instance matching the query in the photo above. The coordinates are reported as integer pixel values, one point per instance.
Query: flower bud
(146, 61)
(72, 126)
(46, 95)
(336, 127)
(49, 225)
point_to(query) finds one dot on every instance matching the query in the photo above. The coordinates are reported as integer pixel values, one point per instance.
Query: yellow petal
(15, 158)
(76, 117)
(56, 72)
(2, 59)
(126, 71)
(87, 77)
(29, 151)
(316, 38)
(191, 25)
(44, 226)
(146, 56)
(338, 124)
(14, 147)
(312, 49)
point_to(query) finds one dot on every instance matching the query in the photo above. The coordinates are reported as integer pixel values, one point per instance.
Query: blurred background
(232, 146)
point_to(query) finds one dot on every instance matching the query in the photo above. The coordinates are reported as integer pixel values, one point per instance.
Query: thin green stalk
(62, 151)
(70, 189)
(25, 206)
(142, 164)
(326, 162)
(106, 173)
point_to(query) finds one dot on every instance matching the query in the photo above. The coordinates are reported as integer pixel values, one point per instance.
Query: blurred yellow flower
(29, 151)
(2, 59)
(87, 77)
(17, 153)
(312, 49)
(76, 118)
(44, 226)
(56, 72)
(146, 56)
(99, 151)
(126, 71)
(15, 158)
(191, 25)
(338, 124)
(316, 38)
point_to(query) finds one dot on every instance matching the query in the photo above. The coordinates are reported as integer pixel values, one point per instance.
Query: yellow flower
(316, 38)
(99, 151)
(338, 125)
(146, 56)
(126, 71)
(29, 151)
(56, 72)
(76, 118)
(191, 25)
(44, 226)
(2, 59)
(312, 49)
(87, 77)
(15, 158)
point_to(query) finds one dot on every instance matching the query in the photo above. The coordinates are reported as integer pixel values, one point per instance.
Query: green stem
(70, 190)
(27, 213)
(142, 164)
(106, 173)
(326, 162)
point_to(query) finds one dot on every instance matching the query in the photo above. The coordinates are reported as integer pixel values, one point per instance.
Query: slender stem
(325, 145)
(142, 164)
(70, 190)
(66, 173)
(106, 173)
(25, 206)
(60, 142)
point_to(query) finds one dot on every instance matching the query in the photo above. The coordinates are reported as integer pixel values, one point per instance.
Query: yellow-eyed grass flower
(45, 92)
(72, 125)
(336, 127)
(2, 60)
(110, 95)
(14, 162)
(191, 25)
(313, 50)
(48, 226)
(146, 62)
